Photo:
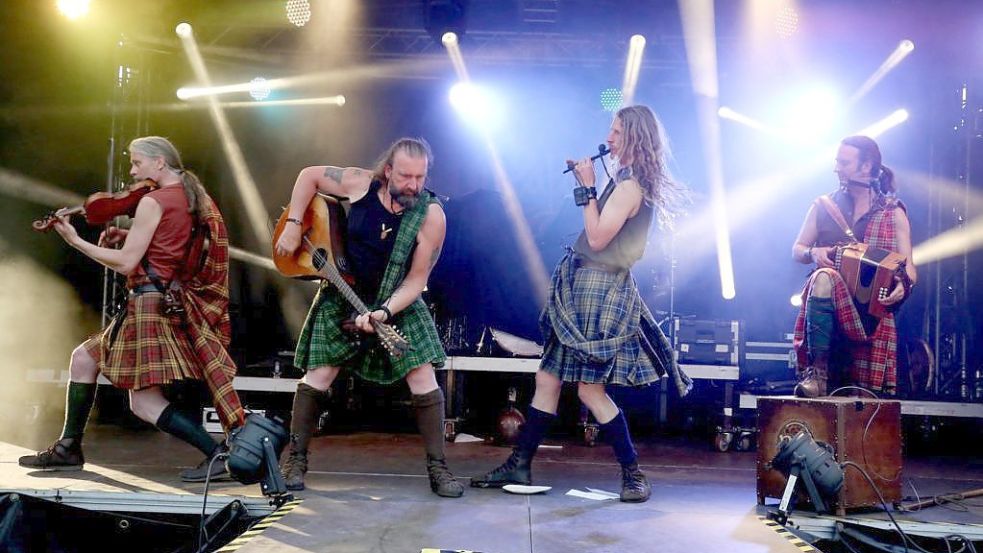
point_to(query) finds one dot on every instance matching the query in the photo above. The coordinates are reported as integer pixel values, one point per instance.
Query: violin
(101, 207)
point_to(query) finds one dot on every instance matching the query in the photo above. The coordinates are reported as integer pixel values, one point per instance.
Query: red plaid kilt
(873, 359)
(145, 348)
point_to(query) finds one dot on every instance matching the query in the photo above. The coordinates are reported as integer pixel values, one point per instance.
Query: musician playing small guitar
(833, 340)
(392, 239)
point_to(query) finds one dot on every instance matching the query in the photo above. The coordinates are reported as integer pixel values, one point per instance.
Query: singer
(597, 329)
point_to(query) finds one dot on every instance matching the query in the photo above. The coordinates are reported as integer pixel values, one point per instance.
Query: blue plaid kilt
(598, 330)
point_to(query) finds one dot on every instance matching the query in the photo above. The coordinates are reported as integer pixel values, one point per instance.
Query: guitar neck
(330, 272)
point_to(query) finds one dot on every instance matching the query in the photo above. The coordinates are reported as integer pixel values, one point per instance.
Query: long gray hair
(158, 146)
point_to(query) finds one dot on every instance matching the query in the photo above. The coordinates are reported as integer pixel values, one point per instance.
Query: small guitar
(322, 253)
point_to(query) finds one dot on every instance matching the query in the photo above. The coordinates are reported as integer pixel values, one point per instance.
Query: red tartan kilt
(149, 349)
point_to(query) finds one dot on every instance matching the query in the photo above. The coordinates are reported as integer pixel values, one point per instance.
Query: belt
(591, 264)
(143, 289)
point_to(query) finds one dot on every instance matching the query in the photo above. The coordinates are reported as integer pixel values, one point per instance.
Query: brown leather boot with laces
(62, 455)
(442, 482)
(813, 381)
(294, 470)
(635, 486)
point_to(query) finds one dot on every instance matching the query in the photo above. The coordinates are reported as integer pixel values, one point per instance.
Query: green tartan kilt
(322, 342)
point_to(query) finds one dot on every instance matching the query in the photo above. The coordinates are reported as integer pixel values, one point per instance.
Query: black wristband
(384, 309)
(293, 220)
(582, 195)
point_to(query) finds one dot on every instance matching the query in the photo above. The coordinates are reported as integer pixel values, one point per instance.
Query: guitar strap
(837, 215)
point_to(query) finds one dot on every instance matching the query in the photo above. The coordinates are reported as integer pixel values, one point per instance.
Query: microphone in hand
(602, 150)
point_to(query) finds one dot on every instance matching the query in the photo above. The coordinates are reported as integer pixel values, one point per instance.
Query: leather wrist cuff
(584, 194)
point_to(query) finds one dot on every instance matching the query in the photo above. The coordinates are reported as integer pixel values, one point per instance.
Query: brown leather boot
(813, 380)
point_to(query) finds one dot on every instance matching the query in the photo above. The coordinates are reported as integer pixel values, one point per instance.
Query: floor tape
(259, 527)
(803, 545)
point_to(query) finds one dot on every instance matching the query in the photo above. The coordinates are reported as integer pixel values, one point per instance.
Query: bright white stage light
(449, 38)
(467, 98)
(298, 12)
(786, 21)
(812, 114)
(893, 120)
(259, 89)
(796, 300)
(73, 9)
(183, 30)
(637, 41)
(906, 45)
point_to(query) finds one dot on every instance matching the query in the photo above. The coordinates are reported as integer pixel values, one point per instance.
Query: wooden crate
(865, 431)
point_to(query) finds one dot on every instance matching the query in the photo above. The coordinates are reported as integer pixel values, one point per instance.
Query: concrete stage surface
(367, 492)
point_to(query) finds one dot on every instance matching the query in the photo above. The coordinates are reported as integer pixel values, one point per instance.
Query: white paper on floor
(526, 490)
(463, 438)
(596, 495)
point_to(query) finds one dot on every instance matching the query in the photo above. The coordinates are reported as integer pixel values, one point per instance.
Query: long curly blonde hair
(647, 149)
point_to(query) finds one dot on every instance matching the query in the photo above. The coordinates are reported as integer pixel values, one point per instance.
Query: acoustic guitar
(322, 256)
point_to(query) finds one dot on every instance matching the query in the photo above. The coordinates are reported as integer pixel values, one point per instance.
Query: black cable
(905, 539)
(202, 531)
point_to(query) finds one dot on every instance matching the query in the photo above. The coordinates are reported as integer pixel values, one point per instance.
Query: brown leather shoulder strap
(836, 214)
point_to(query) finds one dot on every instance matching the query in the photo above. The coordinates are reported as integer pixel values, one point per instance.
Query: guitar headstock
(392, 339)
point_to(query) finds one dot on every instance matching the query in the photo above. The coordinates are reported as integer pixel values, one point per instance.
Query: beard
(407, 200)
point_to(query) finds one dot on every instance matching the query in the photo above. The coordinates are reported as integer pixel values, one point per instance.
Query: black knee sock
(303, 418)
(533, 430)
(615, 432)
(78, 403)
(176, 423)
(429, 409)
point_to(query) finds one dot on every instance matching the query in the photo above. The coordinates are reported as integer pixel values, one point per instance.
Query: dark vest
(628, 245)
(371, 235)
(830, 233)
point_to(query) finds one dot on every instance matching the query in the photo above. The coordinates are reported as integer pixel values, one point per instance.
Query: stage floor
(367, 492)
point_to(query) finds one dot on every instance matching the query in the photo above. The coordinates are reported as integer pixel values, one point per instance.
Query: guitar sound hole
(319, 258)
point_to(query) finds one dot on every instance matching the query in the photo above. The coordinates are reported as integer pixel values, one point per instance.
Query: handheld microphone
(602, 150)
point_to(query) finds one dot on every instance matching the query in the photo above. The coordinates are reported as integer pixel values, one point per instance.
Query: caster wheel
(590, 434)
(450, 430)
(744, 442)
(723, 440)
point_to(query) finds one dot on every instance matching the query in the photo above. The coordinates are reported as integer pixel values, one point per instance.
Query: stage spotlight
(786, 21)
(449, 38)
(637, 41)
(893, 120)
(611, 99)
(443, 16)
(259, 89)
(906, 45)
(796, 300)
(73, 9)
(811, 114)
(254, 453)
(183, 30)
(802, 457)
(298, 12)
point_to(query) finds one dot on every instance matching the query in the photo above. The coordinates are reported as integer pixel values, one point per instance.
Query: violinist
(175, 324)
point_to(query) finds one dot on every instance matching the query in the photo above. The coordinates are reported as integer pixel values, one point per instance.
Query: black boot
(517, 469)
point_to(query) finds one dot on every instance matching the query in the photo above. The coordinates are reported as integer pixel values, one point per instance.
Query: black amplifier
(706, 342)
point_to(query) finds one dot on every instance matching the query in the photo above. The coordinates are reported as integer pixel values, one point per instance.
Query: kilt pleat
(144, 348)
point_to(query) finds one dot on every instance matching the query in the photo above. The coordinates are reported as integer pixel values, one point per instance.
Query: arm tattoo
(334, 173)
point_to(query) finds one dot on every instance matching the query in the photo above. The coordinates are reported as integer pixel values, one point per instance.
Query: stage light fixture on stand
(254, 454)
(802, 458)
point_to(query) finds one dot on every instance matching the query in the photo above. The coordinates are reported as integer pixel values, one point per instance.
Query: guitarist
(833, 341)
(395, 232)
